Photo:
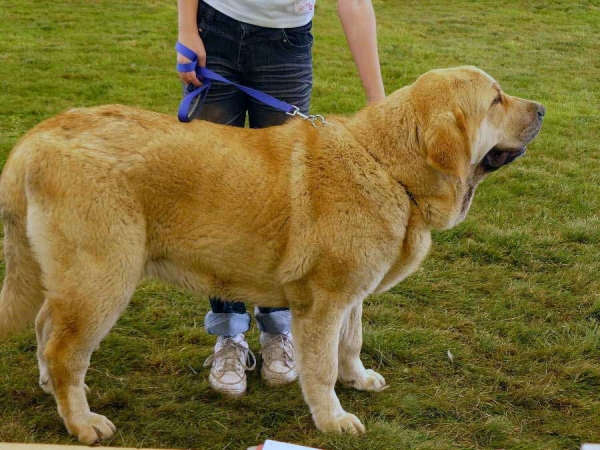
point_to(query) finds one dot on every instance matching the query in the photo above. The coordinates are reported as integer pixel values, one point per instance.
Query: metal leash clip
(317, 120)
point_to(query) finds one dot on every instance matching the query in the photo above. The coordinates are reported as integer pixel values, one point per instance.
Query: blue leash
(192, 103)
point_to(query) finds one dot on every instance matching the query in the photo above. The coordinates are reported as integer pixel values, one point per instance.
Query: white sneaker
(231, 359)
(279, 366)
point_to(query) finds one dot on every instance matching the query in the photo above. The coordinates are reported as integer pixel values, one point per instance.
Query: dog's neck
(398, 150)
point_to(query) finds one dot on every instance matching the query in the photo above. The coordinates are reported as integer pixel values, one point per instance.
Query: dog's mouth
(498, 157)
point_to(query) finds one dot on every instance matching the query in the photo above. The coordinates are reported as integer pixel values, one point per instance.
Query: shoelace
(284, 346)
(243, 356)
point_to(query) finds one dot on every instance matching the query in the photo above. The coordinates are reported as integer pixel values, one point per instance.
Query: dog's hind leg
(43, 326)
(70, 327)
(352, 373)
(91, 264)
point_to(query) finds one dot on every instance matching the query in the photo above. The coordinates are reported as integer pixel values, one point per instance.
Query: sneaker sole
(226, 391)
(229, 392)
(276, 381)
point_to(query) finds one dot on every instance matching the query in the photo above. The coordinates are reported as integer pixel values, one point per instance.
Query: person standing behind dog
(265, 45)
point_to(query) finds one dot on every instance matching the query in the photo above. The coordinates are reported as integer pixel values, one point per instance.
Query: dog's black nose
(541, 112)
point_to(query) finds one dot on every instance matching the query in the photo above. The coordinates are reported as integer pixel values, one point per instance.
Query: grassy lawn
(512, 293)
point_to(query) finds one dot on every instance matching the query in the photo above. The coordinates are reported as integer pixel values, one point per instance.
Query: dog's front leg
(316, 332)
(352, 373)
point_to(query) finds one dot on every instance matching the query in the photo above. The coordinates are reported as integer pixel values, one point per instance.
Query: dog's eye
(497, 100)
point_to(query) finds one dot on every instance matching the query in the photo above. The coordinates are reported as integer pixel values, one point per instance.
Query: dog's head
(468, 128)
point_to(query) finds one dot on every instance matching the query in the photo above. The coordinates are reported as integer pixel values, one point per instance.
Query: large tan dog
(315, 219)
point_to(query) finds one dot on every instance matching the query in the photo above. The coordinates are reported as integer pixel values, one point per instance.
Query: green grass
(512, 293)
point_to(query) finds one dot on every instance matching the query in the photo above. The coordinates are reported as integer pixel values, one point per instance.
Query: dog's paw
(340, 423)
(92, 428)
(369, 380)
(46, 384)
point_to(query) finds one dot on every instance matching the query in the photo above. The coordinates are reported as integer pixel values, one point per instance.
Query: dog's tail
(22, 293)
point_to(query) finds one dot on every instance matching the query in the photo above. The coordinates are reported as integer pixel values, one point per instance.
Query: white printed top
(267, 13)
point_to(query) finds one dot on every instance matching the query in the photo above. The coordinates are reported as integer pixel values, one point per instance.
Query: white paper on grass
(274, 445)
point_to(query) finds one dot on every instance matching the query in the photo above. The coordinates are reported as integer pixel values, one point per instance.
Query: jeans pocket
(297, 41)
(206, 13)
(211, 21)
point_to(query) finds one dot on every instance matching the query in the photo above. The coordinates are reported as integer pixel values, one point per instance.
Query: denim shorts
(276, 61)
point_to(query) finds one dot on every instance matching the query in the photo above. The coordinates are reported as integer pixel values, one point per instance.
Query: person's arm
(188, 35)
(358, 21)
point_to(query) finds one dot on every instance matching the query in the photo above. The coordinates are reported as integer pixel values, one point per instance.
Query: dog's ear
(447, 143)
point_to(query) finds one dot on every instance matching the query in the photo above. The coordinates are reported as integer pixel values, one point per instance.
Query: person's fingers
(190, 77)
(187, 77)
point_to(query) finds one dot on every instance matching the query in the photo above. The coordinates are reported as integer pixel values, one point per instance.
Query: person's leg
(278, 63)
(273, 320)
(277, 347)
(226, 318)
(226, 105)
(221, 35)
(231, 356)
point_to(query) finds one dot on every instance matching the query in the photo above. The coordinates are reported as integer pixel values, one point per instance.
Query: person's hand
(195, 44)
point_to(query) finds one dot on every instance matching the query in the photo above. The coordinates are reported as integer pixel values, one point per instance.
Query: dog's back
(107, 176)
